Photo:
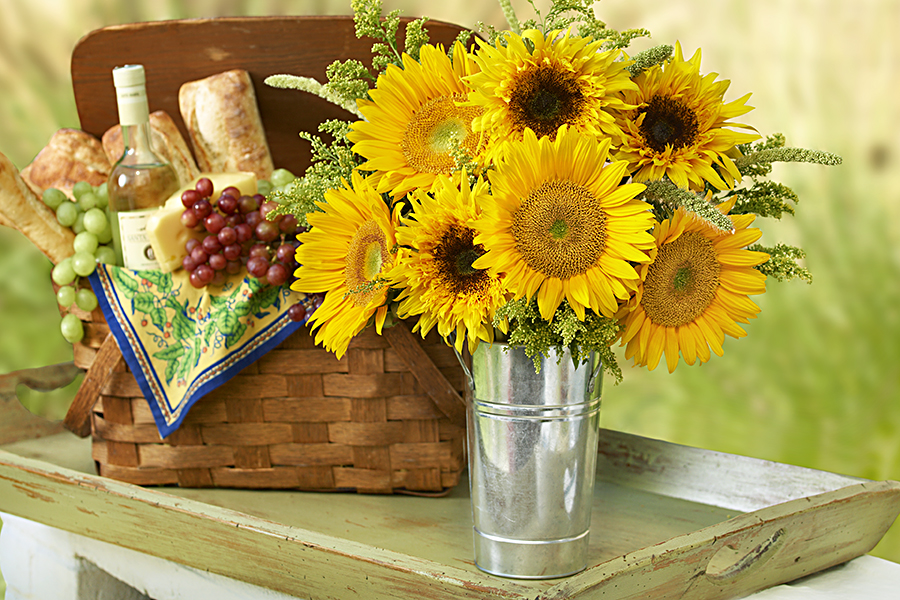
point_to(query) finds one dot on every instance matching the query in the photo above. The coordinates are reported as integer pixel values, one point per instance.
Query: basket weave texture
(297, 418)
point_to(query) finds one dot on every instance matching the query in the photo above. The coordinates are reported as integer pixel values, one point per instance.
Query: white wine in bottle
(141, 181)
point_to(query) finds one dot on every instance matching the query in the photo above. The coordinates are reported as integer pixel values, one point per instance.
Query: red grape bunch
(236, 233)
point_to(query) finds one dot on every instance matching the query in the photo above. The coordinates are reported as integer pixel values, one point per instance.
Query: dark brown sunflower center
(438, 127)
(454, 255)
(560, 229)
(682, 281)
(668, 122)
(543, 98)
(366, 256)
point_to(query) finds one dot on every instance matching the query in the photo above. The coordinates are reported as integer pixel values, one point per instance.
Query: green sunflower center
(453, 255)
(367, 255)
(668, 122)
(560, 229)
(682, 281)
(544, 97)
(436, 129)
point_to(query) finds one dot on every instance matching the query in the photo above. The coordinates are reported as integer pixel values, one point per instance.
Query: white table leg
(40, 562)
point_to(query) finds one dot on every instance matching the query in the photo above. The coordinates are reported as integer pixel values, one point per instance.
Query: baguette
(223, 121)
(70, 156)
(165, 139)
(22, 209)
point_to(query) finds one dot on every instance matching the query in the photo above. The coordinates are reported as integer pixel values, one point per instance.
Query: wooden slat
(364, 434)
(135, 434)
(401, 408)
(367, 479)
(251, 386)
(185, 457)
(432, 380)
(310, 433)
(416, 456)
(301, 361)
(274, 478)
(247, 434)
(311, 455)
(361, 386)
(309, 410)
(78, 417)
(362, 361)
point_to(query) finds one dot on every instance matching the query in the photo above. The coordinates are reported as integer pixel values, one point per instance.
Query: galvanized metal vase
(532, 454)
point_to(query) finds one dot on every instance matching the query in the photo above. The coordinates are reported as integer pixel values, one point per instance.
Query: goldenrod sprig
(510, 14)
(650, 57)
(757, 158)
(665, 196)
(349, 80)
(537, 336)
(782, 264)
(579, 15)
(765, 199)
(416, 37)
(789, 155)
(308, 84)
(367, 17)
(330, 165)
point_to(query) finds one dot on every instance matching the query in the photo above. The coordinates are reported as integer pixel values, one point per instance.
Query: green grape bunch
(87, 218)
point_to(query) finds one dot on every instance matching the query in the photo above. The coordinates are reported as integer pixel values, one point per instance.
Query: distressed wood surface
(16, 423)
(647, 540)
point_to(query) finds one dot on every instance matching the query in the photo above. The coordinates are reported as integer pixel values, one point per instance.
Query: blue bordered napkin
(181, 342)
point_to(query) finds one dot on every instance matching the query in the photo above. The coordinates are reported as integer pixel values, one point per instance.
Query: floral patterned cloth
(181, 342)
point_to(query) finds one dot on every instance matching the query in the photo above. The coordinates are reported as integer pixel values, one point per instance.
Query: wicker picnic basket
(387, 417)
(297, 418)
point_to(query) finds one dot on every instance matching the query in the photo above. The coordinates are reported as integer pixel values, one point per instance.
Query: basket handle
(78, 418)
(445, 397)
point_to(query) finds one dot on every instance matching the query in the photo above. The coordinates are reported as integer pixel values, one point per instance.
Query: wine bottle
(140, 181)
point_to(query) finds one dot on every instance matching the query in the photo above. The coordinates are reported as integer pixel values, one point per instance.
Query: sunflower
(346, 254)
(559, 224)
(695, 290)
(679, 128)
(435, 269)
(541, 82)
(413, 121)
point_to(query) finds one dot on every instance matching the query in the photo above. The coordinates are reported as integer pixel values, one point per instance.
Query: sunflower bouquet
(539, 186)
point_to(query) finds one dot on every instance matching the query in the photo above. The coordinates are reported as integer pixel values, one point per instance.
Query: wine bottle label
(137, 253)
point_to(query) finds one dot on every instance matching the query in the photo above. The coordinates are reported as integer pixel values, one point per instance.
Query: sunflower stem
(312, 86)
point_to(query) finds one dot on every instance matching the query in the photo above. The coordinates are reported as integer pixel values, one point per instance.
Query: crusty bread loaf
(70, 156)
(222, 118)
(165, 139)
(22, 209)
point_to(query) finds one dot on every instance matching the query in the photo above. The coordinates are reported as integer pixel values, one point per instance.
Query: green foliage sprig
(331, 164)
(369, 22)
(650, 57)
(756, 159)
(782, 264)
(564, 14)
(765, 199)
(664, 196)
(537, 336)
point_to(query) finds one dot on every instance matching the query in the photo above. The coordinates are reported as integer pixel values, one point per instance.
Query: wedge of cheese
(164, 229)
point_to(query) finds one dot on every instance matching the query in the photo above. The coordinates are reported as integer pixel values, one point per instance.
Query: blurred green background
(817, 381)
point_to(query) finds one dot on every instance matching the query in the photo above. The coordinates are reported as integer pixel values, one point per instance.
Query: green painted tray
(668, 522)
